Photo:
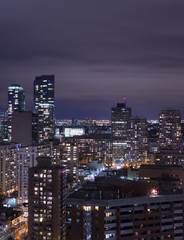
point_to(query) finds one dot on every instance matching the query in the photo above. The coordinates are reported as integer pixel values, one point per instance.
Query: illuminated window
(87, 208)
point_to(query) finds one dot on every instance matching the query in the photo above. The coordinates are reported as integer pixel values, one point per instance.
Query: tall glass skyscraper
(44, 105)
(16, 103)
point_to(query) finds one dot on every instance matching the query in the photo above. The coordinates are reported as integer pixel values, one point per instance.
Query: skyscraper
(44, 106)
(16, 103)
(170, 136)
(120, 117)
(46, 201)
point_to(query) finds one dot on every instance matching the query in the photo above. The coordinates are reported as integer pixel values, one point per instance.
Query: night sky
(99, 51)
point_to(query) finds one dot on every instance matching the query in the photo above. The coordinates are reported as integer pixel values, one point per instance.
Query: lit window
(87, 208)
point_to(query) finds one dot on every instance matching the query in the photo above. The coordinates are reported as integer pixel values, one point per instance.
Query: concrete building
(168, 177)
(125, 211)
(27, 158)
(169, 157)
(46, 201)
(22, 128)
(8, 169)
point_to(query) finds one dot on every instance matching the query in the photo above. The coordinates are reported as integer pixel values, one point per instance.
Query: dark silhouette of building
(22, 128)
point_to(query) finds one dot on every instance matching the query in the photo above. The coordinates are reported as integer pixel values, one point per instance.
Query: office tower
(44, 105)
(120, 117)
(16, 103)
(170, 136)
(8, 168)
(46, 197)
(26, 158)
(137, 141)
(130, 210)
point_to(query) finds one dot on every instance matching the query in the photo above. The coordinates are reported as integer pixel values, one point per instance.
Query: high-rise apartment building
(8, 168)
(44, 106)
(46, 201)
(125, 210)
(16, 103)
(120, 117)
(70, 159)
(170, 136)
(4, 126)
(137, 141)
(27, 158)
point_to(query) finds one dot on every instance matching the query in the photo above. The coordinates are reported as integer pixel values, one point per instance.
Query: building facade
(170, 136)
(27, 158)
(137, 149)
(46, 201)
(168, 177)
(8, 169)
(70, 159)
(102, 214)
(22, 128)
(4, 126)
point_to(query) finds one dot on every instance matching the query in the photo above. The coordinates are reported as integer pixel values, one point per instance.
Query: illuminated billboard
(70, 132)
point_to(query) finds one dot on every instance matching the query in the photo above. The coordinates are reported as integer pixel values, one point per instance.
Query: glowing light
(154, 192)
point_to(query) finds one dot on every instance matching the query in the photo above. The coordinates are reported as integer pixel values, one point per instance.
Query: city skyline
(98, 54)
(91, 120)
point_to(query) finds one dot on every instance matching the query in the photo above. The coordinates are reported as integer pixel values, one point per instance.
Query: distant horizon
(81, 116)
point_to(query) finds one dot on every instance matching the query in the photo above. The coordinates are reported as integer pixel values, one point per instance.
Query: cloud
(98, 50)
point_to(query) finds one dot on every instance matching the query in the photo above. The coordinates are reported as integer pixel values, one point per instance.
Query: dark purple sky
(99, 51)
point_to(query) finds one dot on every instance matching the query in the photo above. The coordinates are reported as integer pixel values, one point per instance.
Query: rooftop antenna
(124, 100)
